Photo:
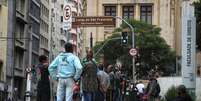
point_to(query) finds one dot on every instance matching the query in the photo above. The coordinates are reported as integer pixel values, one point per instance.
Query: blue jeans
(88, 96)
(65, 88)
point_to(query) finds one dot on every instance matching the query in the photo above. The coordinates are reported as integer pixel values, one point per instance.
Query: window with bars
(19, 30)
(128, 12)
(35, 44)
(35, 26)
(110, 10)
(34, 59)
(20, 6)
(19, 54)
(35, 10)
(146, 14)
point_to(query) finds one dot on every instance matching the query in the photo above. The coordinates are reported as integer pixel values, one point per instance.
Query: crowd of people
(88, 80)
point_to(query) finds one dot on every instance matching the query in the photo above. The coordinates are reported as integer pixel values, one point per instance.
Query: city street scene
(100, 50)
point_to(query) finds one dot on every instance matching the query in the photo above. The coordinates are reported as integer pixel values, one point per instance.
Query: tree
(154, 53)
(198, 23)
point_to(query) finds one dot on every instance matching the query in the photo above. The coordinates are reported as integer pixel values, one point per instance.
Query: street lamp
(133, 42)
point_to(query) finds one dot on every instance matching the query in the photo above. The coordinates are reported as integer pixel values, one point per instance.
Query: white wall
(167, 82)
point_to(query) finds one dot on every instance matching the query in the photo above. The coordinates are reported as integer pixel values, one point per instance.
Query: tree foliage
(154, 53)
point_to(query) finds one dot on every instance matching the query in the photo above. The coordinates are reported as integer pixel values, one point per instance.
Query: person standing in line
(89, 77)
(66, 68)
(153, 89)
(140, 88)
(43, 87)
(104, 83)
(182, 94)
(113, 93)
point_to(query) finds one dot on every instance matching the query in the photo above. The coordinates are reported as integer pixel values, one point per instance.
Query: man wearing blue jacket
(67, 69)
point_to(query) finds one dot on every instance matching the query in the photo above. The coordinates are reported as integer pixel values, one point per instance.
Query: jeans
(65, 88)
(116, 95)
(88, 96)
(99, 96)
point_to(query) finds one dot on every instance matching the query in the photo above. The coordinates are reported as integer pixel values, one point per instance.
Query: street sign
(28, 69)
(188, 33)
(67, 15)
(133, 51)
(93, 21)
(67, 12)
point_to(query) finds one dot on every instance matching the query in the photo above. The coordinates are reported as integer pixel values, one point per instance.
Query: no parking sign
(67, 15)
(133, 51)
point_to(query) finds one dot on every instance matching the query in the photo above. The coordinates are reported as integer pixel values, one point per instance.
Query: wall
(163, 16)
(167, 82)
(3, 42)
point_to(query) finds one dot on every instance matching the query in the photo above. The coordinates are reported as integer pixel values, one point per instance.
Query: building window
(62, 6)
(61, 30)
(128, 12)
(19, 31)
(35, 27)
(44, 41)
(19, 58)
(61, 18)
(20, 5)
(146, 14)
(34, 59)
(35, 10)
(62, 42)
(110, 10)
(44, 11)
(35, 44)
(38, 1)
(44, 26)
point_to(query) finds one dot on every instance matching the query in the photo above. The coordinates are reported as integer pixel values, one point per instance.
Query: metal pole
(28, 88)
(133, 42)
(91, 40)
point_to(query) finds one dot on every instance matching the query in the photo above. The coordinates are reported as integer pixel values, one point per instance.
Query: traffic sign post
(28, 87)
(133, 52)
(67, 15)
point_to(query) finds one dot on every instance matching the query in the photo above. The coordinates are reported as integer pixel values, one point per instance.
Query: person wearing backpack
(153, 89)
(89, 78)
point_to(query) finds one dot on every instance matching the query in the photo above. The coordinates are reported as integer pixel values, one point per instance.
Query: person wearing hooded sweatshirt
(66, 68)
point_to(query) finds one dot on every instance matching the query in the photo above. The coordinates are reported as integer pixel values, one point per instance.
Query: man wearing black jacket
(43, 87)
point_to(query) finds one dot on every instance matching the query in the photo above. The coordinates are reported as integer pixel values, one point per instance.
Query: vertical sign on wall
(67, 15)
(188, 46)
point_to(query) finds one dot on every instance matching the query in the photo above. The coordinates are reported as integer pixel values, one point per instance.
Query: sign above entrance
(93, 21)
